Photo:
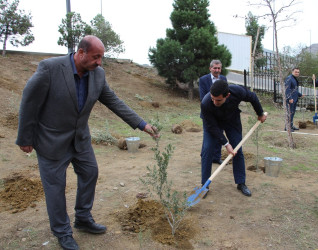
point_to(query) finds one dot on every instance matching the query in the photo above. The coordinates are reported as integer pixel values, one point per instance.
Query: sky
(140, 23)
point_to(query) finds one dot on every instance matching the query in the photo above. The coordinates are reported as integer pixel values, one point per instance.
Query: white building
(240, 47)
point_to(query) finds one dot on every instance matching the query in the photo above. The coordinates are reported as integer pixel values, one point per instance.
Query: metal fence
(266, 82)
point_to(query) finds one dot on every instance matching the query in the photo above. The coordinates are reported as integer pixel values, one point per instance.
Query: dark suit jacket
(49, 117)
(205, 84)
(291, 86)
(216, 119)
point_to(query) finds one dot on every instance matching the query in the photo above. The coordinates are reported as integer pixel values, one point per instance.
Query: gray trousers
(53, 176)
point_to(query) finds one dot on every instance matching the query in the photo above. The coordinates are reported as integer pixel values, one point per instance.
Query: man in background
(292, 95)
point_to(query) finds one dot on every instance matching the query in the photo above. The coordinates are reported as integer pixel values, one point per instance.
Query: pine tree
(14, 25)
(103, 30)
(72, 30)
(186, 52)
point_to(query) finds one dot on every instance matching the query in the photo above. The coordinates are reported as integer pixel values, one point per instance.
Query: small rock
(23, 239)
(121, 143)
(122, 184)
(45, 243)
(115, 188)
(141, 195)
(228, 244)
(176, 129)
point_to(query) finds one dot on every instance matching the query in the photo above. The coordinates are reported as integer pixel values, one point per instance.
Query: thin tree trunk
(290, 139)
(253, 59)
(190, 91)
(189, 87)
(4, 48)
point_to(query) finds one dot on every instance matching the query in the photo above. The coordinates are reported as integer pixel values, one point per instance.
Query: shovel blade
(197, 194)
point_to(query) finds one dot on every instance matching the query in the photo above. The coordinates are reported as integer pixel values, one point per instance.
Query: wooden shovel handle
(229, 157)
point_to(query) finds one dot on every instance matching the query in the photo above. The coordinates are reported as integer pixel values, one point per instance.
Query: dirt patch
(149, 104)
(20, 192)
(310, 125)
(149, 215)
(11, 121)
(190, 126)
(281, 141)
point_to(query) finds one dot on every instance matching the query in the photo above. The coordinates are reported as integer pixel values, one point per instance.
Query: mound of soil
(190, 126)
(20, 192)
(149, 215)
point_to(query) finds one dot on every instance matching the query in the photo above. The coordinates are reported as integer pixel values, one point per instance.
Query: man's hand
(262, 118)
(152, 130)
(291, 101)
(230, 150)
(26, 149)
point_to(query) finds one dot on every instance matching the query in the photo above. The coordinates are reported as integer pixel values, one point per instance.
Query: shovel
(198, 193)
(315, 117)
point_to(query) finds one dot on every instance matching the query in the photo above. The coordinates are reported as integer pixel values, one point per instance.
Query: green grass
(300, 167)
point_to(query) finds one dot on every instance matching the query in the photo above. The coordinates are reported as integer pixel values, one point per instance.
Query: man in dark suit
(220, 112)
(292, 95)
(56, 103)
(206, 81)
(210, 154)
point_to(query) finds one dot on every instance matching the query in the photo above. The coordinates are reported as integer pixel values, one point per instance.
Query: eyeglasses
(216, 68)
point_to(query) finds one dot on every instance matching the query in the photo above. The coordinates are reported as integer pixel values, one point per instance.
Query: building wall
(240, 48)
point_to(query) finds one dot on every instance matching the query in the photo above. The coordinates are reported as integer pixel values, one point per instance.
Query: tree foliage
(103, 30)
(308, 64)
(186, 52)
(15, 25)
(251, 25)
(72, 30)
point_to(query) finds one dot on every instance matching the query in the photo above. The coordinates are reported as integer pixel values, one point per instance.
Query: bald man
(53, 120)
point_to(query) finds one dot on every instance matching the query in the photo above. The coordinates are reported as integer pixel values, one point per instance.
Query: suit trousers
(214, 154)
(234, 135)
(53, 176)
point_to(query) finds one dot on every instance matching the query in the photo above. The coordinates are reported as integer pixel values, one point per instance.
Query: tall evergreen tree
(103, 30)
(14, 25)
(72, 34)
(186, 52)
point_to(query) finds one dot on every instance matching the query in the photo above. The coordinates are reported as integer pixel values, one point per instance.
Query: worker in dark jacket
(292, 94)
(220, 111)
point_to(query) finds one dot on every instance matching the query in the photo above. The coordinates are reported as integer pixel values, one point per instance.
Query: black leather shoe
(90, 226)
(68, 243)
(294, 128)
(244, 189)
(218, 161)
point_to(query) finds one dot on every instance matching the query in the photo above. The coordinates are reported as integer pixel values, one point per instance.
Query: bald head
(88, 42)
(89, 54)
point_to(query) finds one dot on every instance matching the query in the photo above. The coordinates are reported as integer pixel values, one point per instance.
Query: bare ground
(281, 214)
